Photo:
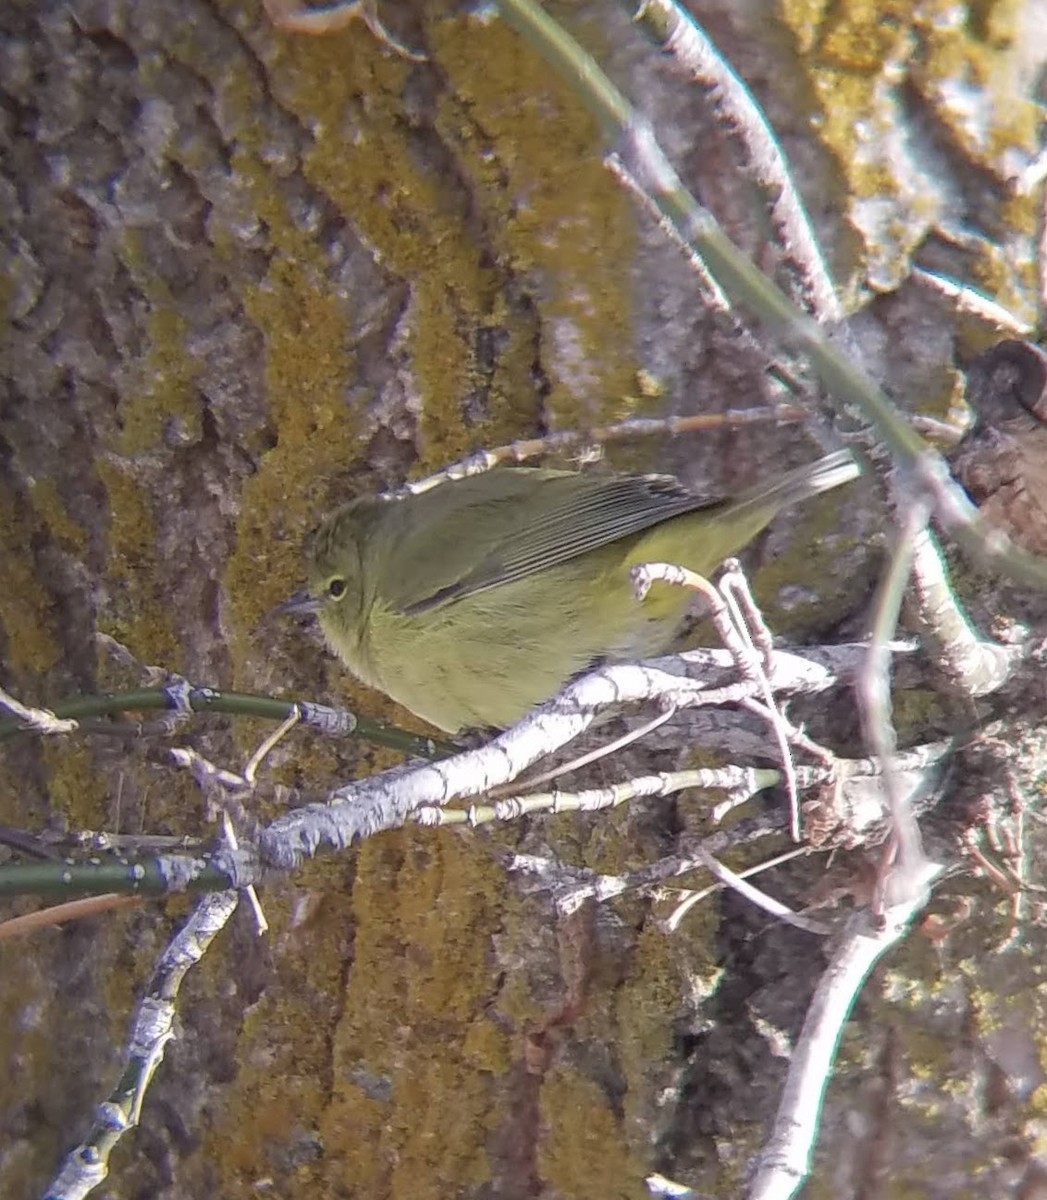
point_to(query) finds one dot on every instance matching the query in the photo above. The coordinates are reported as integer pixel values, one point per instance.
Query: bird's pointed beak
(301, 604)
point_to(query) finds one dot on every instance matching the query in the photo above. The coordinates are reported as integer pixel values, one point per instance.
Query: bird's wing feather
(528, 522)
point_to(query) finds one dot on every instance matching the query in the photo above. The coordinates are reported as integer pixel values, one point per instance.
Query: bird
(474, 601)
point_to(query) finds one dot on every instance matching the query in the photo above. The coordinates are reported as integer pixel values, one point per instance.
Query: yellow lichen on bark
(164, 399)
(582, 1153)
(955, 76)
(387, 1064)
(567, 228)
(414, 1026)
(138, 614)
(60, 522)
(363, 158)
(30, 638)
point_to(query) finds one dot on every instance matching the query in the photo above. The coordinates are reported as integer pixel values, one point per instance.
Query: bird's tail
(809, 480)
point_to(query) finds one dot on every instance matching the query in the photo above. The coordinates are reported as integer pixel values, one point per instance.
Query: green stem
(244, 704)
(63, 881)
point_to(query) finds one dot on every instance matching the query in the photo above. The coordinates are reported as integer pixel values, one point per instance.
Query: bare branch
(40, 720)
(152, 1028)
(786, 1160)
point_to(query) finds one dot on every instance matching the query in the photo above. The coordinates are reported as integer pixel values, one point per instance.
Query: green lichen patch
(651, 1001)
(364, 160)
(791, 591)
(30, 1012)
(56, 517)
(308, 368)
(867, 64)
(269, 1126)
(973, 70)
(379, 1044)
(166, 399)
(566, 228)
(137, 615)
(583, 1153)
(414, 1028)
(76, 788)
(27, 618)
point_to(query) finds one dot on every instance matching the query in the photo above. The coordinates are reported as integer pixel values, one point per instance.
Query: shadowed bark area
(245, 275)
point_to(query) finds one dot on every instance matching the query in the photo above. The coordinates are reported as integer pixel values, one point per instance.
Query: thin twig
(742, 613)
(57, 914)
(585, 441)
(775, 907)
(874, 699)
(297, 16)
(266, 748)
(968, 300)
(673, 921)
(745, 780)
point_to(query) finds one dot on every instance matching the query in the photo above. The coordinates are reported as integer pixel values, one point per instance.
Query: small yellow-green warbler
(472, 602)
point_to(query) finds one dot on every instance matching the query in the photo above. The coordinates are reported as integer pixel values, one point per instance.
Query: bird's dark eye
(336, 588)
